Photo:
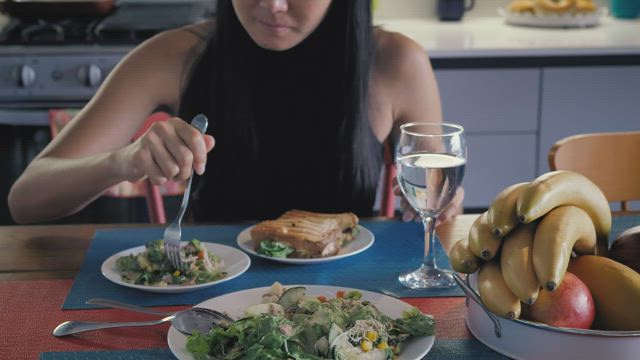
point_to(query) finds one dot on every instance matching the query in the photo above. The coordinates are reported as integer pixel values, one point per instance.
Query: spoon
(120, 305)
(185, 321)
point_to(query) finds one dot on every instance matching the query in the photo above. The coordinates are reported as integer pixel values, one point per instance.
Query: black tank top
(296, 155)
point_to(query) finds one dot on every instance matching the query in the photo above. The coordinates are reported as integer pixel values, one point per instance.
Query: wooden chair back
(610, 160)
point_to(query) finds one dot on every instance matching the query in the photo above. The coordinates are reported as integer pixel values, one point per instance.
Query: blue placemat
(442, 350)
(149, 354)
(398, 247)
(622, 223)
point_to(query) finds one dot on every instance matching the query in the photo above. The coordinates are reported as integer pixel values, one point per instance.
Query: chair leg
(155, 205)
(388, 203)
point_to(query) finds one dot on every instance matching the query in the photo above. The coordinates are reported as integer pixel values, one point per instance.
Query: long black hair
(333, 64)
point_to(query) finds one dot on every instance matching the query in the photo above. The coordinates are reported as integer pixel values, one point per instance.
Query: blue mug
(452, 10)
(625, 9)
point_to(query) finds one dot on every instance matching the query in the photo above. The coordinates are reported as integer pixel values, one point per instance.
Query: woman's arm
(94, 151)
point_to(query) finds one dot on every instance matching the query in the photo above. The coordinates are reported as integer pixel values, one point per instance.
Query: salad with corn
(287, 324)
(152, 268)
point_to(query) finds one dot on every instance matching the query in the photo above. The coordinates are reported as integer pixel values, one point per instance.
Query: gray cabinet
(499, 110)
(587, 100)
(490, 100)
(514, 116)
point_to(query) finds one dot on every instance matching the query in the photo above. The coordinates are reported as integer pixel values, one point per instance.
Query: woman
(300, 95)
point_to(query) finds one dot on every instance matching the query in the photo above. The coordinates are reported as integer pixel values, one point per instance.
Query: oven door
(23, 134)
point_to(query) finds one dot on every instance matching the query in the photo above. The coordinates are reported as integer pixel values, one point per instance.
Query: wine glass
(430, 160)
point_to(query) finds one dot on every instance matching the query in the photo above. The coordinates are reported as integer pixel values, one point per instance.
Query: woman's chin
(277, 43)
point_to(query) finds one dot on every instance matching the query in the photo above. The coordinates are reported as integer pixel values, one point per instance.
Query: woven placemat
(442, 350)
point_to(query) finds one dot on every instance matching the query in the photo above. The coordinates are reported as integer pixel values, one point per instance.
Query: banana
(482, 242)
(516, 263)
(501, 215)
(561, 230)
(495, 293)
(462, 259)
(559, 188)
(615, 289)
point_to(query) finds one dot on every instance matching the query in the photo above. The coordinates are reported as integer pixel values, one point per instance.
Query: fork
(223, 319)
(173, 232)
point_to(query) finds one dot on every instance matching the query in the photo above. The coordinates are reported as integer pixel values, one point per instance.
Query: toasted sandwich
(307, 234)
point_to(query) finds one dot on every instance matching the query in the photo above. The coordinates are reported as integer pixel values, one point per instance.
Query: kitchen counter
(491, 37)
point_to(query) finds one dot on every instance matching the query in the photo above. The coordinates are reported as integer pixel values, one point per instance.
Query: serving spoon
(185, 321)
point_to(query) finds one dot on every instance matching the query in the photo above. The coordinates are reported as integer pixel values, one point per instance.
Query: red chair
(58, 118)
(388, 199)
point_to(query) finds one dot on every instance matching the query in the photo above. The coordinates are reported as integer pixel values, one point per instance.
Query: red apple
(569, 305)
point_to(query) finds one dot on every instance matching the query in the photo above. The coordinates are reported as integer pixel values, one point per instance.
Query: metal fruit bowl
(522, 339)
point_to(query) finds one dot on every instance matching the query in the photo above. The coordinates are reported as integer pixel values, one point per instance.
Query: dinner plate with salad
(310, 322)
(147, 267)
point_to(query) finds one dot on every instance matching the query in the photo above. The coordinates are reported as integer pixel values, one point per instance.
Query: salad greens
(290, 325)
(152, 268)
(275, 249)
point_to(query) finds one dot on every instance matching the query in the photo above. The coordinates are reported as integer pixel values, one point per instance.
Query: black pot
(56, 9)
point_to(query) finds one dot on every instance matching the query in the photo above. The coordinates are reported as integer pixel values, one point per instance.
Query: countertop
(491, 37)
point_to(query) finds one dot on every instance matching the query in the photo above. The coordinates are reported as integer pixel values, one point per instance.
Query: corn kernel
(366, 345)
(177, 273)
(372, 335)
(383, 345)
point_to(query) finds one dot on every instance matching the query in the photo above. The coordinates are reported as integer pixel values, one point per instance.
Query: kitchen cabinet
(499, 111)
(514, 116)
(587, 100)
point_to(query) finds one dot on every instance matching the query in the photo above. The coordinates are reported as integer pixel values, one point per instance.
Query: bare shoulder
(398, 56)
(403, 76)
(159, 66)
(176, 46)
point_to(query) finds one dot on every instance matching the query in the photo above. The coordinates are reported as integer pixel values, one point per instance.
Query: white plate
(362, 242)
(554, 20)
(235, 303)
(235, 263)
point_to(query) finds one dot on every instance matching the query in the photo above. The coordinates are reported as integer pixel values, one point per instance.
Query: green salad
(280, 249)
(274, 248)
(152, 268)
(287, 324)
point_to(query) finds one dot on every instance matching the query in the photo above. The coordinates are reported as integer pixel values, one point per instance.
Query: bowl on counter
(566, 20)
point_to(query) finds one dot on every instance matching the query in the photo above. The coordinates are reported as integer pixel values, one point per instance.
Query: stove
(60, 63)
(49, 66)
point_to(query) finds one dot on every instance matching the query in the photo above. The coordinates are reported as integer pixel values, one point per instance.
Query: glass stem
(429, 261)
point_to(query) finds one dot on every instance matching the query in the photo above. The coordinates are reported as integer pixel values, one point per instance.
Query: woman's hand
(167, 151)
(408, 214)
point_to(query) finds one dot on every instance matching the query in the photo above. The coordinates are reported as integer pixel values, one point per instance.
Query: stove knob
(26, 76)
(90, 75)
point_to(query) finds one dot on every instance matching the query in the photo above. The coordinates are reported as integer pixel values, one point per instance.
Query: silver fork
(173, 232)
(223, 319)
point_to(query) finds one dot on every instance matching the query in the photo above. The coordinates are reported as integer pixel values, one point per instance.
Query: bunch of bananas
(525, 240)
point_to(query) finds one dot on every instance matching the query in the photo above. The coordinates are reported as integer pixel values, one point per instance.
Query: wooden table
(57, 251)
(38, 265)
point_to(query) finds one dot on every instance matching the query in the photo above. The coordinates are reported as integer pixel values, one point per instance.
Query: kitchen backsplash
(427, 8)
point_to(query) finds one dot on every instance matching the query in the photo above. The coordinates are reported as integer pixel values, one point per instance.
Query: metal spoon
(120, 305)
(185, 321)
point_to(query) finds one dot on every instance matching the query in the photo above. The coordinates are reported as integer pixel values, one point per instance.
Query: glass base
(427, 278)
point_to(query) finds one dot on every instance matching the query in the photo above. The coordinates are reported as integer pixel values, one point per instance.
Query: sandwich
(304, 234)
